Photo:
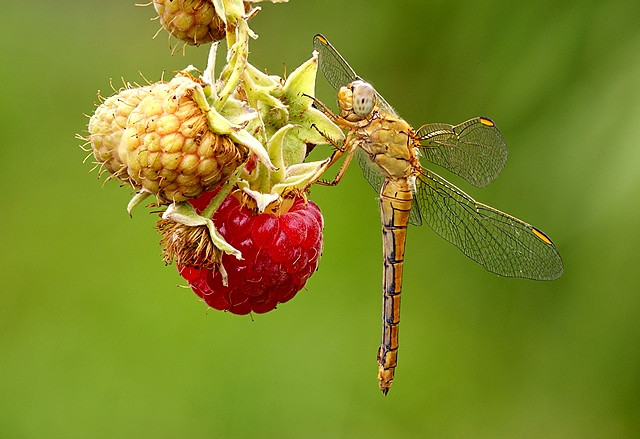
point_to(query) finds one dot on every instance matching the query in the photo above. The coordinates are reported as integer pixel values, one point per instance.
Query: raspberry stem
(221, 195)
(238, 43)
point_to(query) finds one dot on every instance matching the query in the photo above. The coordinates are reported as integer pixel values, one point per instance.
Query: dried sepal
(189, 246)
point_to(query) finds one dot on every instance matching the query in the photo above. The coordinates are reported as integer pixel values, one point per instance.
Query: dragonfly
(388, 151)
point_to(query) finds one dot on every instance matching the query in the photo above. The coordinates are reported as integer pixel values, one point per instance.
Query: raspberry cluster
(223, 155)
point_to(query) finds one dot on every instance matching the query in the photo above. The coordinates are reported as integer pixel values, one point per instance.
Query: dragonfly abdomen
(395, 206)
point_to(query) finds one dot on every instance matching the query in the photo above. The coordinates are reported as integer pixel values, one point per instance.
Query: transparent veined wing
(370, 170)
(499, 242)
(337, 70)
(334, 67)
(474, 150)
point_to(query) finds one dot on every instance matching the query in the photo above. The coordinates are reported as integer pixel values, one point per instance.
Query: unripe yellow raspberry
(107, 124)
(169, 149)
(193, 21)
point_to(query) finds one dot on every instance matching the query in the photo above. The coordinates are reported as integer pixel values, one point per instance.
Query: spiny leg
(348, 148)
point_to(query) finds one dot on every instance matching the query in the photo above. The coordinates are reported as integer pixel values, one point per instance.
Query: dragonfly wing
(499, 242)
(474, 150)
(334, 67)
(338, 71)
(370, 170)
(384, 106)
(414, 215)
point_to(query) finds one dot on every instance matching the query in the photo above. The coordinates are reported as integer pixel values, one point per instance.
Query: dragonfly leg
(349, 147)
(332, 142)
(322, 107)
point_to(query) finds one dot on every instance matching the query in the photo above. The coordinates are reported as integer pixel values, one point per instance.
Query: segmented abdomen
(395, 205)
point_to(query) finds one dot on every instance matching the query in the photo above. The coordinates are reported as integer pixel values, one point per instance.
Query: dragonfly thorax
(389, 141)
(356, 100)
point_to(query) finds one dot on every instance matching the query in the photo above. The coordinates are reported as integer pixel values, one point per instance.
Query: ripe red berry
(280, 252)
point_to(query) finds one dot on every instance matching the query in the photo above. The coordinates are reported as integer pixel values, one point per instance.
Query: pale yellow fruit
(193, 21)
(108, 123)
(169, 149)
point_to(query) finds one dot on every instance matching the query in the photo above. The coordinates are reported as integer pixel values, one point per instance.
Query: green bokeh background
(98, 340)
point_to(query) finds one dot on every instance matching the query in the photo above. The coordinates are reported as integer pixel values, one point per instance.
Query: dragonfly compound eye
(364, 98)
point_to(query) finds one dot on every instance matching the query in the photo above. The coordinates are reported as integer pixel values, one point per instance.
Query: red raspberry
(280, 252)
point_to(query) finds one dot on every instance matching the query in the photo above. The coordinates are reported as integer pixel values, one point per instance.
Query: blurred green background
(98, 340)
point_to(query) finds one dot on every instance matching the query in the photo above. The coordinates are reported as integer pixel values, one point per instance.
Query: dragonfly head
(356, 100)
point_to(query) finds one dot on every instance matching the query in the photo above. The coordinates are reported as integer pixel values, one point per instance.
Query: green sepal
(260, 89)
(300, 175)
(275, 148)
(137, 199)
(312, 125)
